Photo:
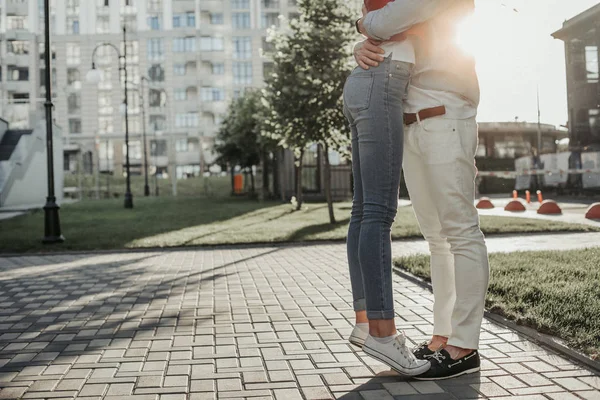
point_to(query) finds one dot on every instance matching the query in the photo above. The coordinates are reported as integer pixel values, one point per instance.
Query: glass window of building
(591, 64)
(595, 122)
(103, 24)
(184, 45)
(73, 54)
(156, 49)
(158, 148)
(73, 103)
(74, 125)
(179, 94)
(218, 68)
(154, 6)
(158, 122)
(17, 47)
(186, 120)
(156, 73)
(269, 19)
(242, 73)
(154, 23)
(217, 19)
(17, 73)
(74, 78)
(157, 98)
(17, 22)
(105, 125)
(133, 51)
(135, 149)
(240, 20)
(270, 3)
(242, 47)
(211, 43)
(178, 69)
(240, 4)
(212, 94)
(105, 103)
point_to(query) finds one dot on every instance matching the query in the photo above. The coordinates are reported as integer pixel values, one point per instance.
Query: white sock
(384, 340)
(363, 326)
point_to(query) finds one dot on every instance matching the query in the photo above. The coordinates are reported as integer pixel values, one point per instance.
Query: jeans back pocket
(357, 91)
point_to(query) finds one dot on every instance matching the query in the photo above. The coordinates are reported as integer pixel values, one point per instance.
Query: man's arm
(400, 15)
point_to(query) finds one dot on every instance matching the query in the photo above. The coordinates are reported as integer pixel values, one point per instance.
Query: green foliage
(239, 140)
(311, 63)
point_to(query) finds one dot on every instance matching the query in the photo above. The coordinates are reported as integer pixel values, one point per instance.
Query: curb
(547, 341)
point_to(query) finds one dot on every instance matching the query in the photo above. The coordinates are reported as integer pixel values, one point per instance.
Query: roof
(521, 128)
(586, 18)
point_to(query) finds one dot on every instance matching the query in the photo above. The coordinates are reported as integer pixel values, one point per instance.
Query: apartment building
(196, 55)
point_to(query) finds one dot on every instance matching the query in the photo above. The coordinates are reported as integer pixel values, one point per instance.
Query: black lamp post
(52, 232)
(146, 186)
(95, 76)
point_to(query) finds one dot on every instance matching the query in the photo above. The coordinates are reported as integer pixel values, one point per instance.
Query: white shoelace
(400, 345)
(438, 356)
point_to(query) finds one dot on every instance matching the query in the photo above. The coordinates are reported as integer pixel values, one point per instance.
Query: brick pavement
(260, 323)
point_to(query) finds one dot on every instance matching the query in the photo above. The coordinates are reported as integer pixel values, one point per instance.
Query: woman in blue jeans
(373, 100)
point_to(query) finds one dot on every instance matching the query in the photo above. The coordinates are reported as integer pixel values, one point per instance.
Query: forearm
(400, 15)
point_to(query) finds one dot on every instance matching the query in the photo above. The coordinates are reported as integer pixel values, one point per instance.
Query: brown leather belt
(411, 118)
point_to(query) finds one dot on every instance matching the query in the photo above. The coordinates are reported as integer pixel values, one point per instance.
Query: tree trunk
(232, 172)
(276, 178)
(252, 186)
(265, 175)
(298, 167)
(327, 180)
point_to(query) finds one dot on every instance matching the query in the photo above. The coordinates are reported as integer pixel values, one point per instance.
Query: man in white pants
(439, 151)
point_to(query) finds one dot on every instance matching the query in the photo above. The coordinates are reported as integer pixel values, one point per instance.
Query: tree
(239, 140)
(304, 92)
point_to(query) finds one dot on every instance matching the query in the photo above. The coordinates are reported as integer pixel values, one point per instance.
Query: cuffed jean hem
(463, 344)
(360, 305)
(385, 314)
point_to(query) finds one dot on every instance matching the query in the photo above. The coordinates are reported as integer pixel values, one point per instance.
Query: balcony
(21, 60)
(17, 7)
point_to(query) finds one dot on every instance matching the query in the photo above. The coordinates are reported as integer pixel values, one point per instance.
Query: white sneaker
(358, 336)
(397, 355)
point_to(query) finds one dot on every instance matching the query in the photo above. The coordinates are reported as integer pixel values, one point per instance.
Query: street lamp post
(146, 186)
(52, 233)
(95, 76)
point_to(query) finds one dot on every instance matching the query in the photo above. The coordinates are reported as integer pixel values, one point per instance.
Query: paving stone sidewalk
(263, 322)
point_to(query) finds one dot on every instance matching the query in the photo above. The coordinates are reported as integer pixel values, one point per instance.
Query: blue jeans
(373, 106)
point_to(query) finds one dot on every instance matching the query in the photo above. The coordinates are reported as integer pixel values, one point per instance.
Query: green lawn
(188, 221)
(556, 292)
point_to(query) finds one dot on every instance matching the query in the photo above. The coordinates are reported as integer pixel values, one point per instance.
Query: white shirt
(400, 51)
(444, 74)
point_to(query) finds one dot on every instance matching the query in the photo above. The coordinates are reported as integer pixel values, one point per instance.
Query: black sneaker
(444, 367)
(422, 351)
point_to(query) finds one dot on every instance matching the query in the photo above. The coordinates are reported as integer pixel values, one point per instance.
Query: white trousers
(439, 168)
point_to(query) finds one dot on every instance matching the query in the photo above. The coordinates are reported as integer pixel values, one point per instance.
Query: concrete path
(260, 323)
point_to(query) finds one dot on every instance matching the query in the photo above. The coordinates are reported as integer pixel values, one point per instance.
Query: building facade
(581, 35)
(196, 55)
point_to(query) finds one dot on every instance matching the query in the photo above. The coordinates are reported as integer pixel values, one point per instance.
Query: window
(242, 48)
(154, 5)
(595, 123)
(210, 43)
(18, 73)
(184, 145)
(17, 22)
(103, 24)
(270, 3)
(73, 54)
(156, 49)
(242, 73)
(268, 46)
(218, 68)
(154, 23)
(133, 51)
(17, 47)
(157, 98)
(102, 3)
(217, 19)
(269, 19)
(591, 64)
(185, 20)
(74, 78)
(184, 45)
(179, 94)
(135, 150)
(211, 94)
(158, 122)
(186, 120)
(72, 26)
(178, 69)
(268, 69)
(105, 103)
(74, 125)
(105, 125)
(158, 148)
(240, 4)
(74, 103)
(240, 20)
